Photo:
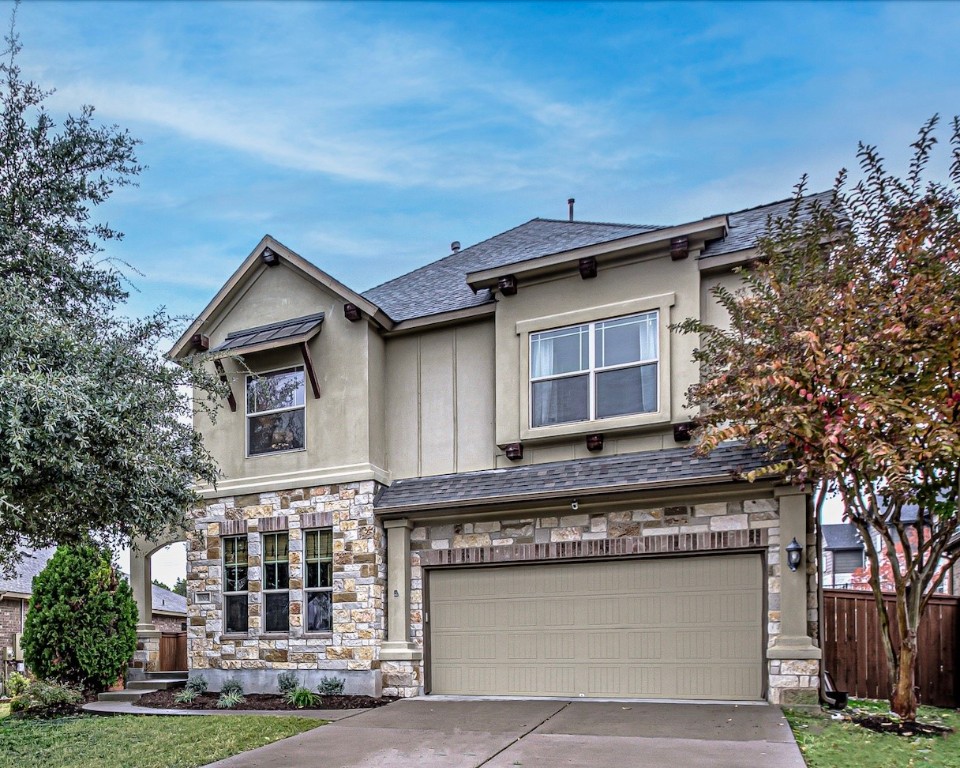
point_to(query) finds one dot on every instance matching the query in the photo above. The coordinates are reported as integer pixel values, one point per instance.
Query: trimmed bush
(287, 681)
(232, 685)
(41, 699)
(82, 625)
(17, 684)
(330, 686)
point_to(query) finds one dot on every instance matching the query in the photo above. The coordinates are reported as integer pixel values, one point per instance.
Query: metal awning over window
(282, 334)
(294, 332)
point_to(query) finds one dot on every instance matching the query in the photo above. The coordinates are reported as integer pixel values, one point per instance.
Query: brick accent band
(233, 527)
(270, 524)
(627, 545)
(316, 520)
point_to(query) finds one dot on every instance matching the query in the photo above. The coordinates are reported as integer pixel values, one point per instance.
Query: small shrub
(232, 685)
(186, 696)
(287, 682)
(17, 684)
(330, 686)
(230, 699)
(300, 697)
(40, 699)
(197, 684)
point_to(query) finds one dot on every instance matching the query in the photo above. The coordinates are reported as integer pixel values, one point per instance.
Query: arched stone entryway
(147, 656)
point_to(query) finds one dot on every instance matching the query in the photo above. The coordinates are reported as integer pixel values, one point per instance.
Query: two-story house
(477, 479)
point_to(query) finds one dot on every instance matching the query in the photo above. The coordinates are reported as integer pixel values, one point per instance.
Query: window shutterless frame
(318, 579)
(591, 367)
(276, 581)
(266, 413)
(235, 587)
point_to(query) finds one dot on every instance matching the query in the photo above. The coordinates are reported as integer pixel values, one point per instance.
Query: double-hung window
(235, 583)
(594, 371)
(276, 582)
(319, 581)
(275, 411)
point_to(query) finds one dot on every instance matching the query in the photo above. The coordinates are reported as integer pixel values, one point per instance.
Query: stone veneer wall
(351, 650)
(751, 524)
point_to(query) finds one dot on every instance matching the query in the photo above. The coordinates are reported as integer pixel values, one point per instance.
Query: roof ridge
(603, 223)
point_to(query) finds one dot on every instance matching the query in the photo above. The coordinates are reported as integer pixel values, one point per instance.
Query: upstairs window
(276, 582)
(235, 583)
(595, 370)
(319, 581)
(275, 412)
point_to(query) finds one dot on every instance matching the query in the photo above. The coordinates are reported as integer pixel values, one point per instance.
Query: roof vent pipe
(455, 246)
(570, 202)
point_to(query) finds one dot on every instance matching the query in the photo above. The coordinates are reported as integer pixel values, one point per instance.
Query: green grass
(131, 741)
(827, 743)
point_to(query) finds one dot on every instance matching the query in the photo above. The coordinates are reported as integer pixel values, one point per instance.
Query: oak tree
(95, 431)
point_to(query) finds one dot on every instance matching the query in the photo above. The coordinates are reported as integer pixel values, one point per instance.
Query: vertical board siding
(173, 652)
(853, 648)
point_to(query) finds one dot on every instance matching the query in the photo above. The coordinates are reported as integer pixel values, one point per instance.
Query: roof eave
(724, 478)
(707, 229)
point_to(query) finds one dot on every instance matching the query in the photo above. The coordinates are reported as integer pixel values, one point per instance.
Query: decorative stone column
(794, 661)
(400, 658)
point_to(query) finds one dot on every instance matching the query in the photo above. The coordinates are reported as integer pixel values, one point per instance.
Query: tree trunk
(903, 698)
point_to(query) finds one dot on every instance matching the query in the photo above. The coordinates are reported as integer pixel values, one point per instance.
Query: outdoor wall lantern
(794, 553)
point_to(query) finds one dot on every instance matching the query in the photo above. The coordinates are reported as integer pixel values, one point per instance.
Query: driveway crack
(522, 735)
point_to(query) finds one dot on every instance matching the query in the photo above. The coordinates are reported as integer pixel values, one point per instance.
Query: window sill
(318, 635)
(633, 422)
(235, 635)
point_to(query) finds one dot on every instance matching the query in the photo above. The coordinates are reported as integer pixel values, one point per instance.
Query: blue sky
(369, 136)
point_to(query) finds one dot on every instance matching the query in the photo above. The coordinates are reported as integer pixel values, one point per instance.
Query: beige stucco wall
(439, 399)
(344, 427)
(710, 311)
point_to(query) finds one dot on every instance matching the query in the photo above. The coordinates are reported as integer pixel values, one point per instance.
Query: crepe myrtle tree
(95, 428)
(842, 360)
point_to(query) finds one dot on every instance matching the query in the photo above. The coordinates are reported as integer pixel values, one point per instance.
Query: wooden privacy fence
(853, 651)
(173, 651)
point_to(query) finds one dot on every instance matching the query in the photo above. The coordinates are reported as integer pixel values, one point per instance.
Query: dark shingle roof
(32, 563)
(165, 601)
(442, 285)
(744, 227)
(274, 332)
(841, 536)
(590, 475)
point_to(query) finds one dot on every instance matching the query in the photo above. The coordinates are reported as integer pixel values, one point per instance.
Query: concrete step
(122, 695)
(175, 675)
(153, 684)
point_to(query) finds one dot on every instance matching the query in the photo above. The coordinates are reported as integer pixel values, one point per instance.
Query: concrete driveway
(432, 733)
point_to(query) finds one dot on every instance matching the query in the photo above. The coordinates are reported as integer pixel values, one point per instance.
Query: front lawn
(827, 743)
(131, 741)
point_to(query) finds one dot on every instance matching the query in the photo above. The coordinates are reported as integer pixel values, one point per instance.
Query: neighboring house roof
(441, 285)
(590, 476)
(167, 602)
(21, 583)
(746, 226)
(841, 536)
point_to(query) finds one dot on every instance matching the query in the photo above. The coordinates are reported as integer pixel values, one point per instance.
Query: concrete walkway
(427, 733)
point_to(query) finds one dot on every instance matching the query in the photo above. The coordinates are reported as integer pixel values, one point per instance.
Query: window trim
(307, 591)
(524, 328)
(247, 415)
(231, 593)
(593, 369)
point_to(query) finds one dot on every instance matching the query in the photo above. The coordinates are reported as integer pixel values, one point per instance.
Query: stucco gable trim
(250, 267)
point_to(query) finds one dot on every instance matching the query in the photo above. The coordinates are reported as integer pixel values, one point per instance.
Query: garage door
(687, 628)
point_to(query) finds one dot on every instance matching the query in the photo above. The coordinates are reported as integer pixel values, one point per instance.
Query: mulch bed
(270, 701)
(887, 724)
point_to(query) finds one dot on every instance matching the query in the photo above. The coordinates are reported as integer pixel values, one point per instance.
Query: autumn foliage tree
(842, 360)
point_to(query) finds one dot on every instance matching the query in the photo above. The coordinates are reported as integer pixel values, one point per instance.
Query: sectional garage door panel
(672, 628)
